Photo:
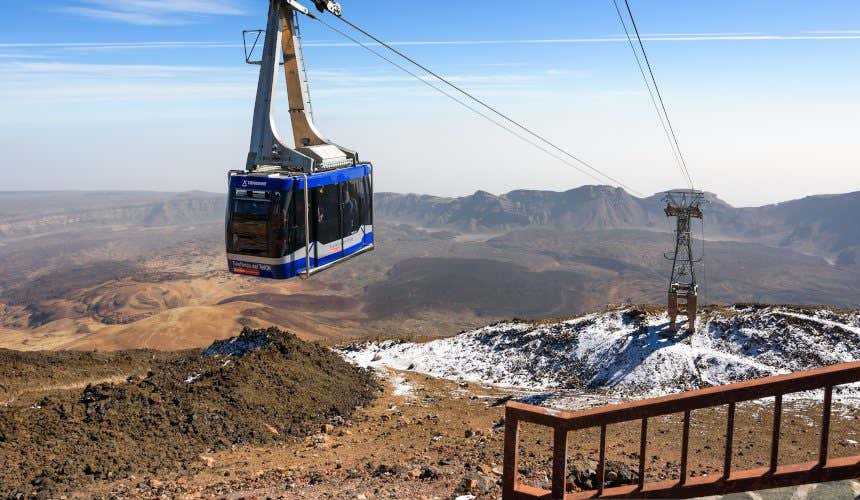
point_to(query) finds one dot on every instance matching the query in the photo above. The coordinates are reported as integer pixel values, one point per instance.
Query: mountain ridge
(817, 225)
(814, 225)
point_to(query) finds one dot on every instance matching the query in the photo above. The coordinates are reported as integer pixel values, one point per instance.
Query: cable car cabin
(294, 211)
(267, 221)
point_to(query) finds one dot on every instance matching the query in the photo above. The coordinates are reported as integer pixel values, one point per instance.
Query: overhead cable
(466, 105)
(672, 147)
(486, 106)
(686, 171)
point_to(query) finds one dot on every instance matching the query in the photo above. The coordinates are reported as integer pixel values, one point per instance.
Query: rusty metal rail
(776, 475)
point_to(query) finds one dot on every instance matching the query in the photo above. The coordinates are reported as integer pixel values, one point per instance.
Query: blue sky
(153, 94)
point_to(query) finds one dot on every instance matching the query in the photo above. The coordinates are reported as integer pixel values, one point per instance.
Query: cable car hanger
(294, 211)
(313, 151)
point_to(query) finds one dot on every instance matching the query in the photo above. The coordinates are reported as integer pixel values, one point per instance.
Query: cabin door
(326, 218)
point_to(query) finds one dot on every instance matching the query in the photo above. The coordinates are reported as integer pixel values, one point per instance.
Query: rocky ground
(260, 388)
(265, 415)
(27, 376)
(431, 438)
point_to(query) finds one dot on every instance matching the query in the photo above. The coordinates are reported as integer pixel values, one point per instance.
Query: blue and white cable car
(294, 211)
(267, 232)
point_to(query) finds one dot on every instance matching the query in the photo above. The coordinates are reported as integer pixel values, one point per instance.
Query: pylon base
(682, 303)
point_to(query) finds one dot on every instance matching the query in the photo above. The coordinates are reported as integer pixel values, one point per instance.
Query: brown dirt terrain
(432, 438)
(125, 287)
(26, 376)
(297, 301)
(262, 387)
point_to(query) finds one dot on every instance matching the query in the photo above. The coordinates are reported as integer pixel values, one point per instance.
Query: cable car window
(352, 203)
(251, 205)
(359, 195)
(278, 220)
(252, 208)
(367, 205)
(248, 230)
(296, 224)
(326, 213)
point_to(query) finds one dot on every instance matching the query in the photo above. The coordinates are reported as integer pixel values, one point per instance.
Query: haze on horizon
(127, 95)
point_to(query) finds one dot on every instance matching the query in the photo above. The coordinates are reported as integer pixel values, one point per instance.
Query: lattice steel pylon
(683, 288)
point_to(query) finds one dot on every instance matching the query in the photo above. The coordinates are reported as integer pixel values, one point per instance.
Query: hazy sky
(154, 94)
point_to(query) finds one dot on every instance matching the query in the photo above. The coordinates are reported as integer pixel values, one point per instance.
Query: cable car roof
(288, 180)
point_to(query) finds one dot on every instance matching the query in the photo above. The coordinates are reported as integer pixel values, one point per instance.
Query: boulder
(582, 473)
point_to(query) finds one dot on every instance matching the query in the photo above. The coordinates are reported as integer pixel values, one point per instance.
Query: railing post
(601, 465)
(685, 446)
(825, 426)
(559, 463)
(643, 448)
(509, 472)
(775, 436)
(730, 437)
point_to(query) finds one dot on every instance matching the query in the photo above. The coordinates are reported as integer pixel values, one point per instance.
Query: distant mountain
(821, 225)
(109, 270)
(829, 222)
(849, 258)
(23, 214)
(586, 207)
(824, 225)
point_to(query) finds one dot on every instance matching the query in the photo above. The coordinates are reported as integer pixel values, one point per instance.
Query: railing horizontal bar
(836, 469)
(693, 400)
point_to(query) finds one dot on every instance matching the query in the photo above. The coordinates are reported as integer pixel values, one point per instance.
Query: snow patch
(248, 341)
(401, 386)
(625, 353)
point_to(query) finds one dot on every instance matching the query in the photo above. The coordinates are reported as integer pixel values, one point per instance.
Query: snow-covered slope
(630, 353)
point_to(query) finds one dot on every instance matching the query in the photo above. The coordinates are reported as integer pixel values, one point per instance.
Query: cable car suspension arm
(312, 151)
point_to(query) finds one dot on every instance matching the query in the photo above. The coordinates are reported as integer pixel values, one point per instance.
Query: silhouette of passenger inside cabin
(350, 213)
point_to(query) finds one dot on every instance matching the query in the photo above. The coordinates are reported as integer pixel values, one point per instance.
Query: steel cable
(484, 104)
(650, 91)
(659, 94)
(466, 105)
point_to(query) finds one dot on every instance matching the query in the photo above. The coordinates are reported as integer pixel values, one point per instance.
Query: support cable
(467, 106)
(704, 268)
(659, 95)
(485, 105)
(675, 152)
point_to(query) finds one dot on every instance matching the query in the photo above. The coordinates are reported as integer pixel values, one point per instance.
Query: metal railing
(773, 476)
